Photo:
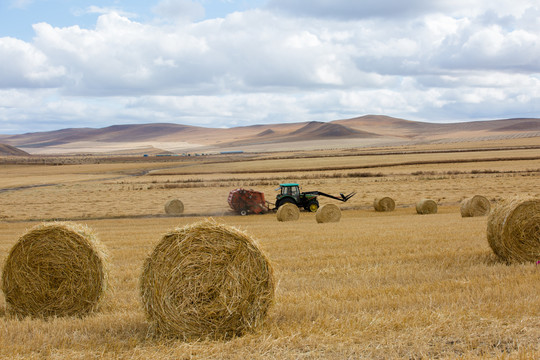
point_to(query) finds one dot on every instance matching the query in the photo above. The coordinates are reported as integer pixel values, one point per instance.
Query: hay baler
(247, 202)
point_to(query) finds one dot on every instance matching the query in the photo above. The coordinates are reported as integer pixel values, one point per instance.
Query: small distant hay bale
(477, 205)
(328, 213)
(174, 206)
(513, 230)
(384, 204)
(55, 269)
(426, 206)
(206, 281)
(288, 212)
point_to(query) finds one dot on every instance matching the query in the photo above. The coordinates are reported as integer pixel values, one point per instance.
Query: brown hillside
(8, 150)
(315, 130)
(359, 131)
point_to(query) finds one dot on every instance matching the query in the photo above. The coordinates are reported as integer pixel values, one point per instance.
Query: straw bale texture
(384, 204)
(513, 230)
(426, 206)
(328, 213)
(206, 281)
(477, 205)
(288, 212)
(174, 206)
(55, 269)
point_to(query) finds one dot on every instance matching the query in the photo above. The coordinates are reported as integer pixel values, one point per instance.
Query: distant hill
(8, 150)
(320, 130)
(368, 129)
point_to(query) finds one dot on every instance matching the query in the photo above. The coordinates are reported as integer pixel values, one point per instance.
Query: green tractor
(290, 193)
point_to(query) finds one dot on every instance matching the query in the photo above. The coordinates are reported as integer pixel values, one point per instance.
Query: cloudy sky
(223, 63)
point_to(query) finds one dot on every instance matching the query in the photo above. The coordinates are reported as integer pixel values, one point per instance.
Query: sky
(227, 63)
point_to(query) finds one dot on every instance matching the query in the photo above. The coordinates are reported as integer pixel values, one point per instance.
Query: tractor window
(290, 191)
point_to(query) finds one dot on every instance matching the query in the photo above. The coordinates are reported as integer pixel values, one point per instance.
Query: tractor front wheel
(312, 206)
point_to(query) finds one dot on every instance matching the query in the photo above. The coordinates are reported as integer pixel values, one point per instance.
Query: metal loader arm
(343, 198)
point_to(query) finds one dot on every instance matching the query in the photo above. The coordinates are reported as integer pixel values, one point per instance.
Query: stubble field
(374, 285)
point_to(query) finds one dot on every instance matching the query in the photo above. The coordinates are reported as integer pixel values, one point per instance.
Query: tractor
(290, 193)
(246, 202)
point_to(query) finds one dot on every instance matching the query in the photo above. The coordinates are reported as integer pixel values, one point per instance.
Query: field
(374, 285)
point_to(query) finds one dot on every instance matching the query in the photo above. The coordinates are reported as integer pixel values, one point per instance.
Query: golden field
(374, 285)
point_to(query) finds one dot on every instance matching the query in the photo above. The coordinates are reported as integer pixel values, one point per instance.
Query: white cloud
(431, 61)
(26, 66)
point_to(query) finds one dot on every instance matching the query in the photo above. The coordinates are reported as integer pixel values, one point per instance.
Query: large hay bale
(384, 204)
(288, 212)
(426, 206)
(513, 230)
(174, 206)
(328, 213)
(206, 281)
(55, 269)
(477, 205)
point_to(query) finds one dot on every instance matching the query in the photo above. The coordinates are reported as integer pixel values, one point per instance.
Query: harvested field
(376, 285)
(436, 290)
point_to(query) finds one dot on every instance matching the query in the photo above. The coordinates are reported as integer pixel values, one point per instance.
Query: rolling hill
(360, 131)
(8, 150)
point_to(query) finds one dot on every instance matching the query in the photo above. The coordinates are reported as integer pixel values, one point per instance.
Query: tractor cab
(290, 193)
(290, 190)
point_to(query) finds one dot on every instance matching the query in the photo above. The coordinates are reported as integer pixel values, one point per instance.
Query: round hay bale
(55, 269)
(477, 205)
(206, 281)
(288, 212)
(513, 230)
(328, 213)
(384, 204)
(174, 206)
(426, 206)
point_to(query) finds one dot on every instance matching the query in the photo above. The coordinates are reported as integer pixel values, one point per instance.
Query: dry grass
(352, 290)
(376, 285)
